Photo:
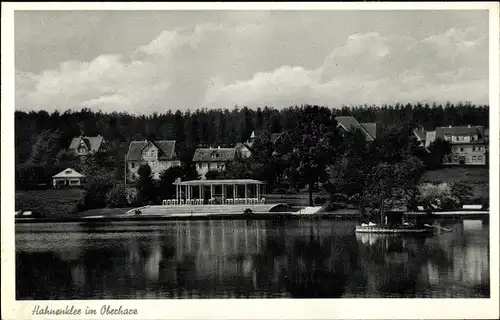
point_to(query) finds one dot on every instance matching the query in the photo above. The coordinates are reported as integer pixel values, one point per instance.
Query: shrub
(95, 197)
(117, 197)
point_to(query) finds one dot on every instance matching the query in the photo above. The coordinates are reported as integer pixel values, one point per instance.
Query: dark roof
(92, 143)
(166, 147)
(371, 128)
(350, 123)
(214, 154)
(460, 131)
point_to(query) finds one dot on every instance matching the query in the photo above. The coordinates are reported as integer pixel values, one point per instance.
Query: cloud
(219, 65)
(375, 69)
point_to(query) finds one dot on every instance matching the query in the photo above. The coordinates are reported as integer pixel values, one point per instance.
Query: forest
(41, 140)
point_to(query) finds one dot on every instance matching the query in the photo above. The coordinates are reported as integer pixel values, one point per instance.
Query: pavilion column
(177, 192)
(211, 191)
(223, 194)
(201, 192)
(258, 187)
(246, 192)
(234, 191)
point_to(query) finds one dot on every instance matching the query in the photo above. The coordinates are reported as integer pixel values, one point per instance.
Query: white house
(68, 178)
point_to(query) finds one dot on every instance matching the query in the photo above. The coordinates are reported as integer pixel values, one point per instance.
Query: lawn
(477, 177)
(49, 202)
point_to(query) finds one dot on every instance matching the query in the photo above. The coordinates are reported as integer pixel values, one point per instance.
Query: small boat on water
(407, 229)
(396, 222)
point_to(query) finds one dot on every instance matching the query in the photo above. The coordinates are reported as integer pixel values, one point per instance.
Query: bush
(321, 198)
(95, 197)
(213, 174)
(117, 197)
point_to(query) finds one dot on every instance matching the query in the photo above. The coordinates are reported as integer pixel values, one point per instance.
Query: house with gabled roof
(349, 123)
(68, 178)
(159, 155)
(83, 145)
(208, 159)
(469, 144)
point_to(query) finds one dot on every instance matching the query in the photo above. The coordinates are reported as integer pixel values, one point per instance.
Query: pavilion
(224, 191)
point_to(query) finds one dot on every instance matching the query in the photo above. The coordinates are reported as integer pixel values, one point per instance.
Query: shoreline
(153, 218)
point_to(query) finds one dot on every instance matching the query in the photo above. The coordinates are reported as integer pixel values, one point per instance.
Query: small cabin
(68, 178)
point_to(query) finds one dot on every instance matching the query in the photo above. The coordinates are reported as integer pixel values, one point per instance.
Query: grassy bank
(49, 203)
(60, 203)
(476, 177)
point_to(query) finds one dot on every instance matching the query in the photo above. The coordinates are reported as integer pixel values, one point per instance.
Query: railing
(199, 202)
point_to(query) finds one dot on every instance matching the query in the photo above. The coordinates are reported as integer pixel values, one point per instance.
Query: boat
(395, 221)
(376, 228)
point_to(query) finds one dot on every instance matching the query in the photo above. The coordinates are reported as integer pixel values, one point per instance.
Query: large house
(469, 144)
(83, 146)
(209, 159)
(349, 123)
(159, 155)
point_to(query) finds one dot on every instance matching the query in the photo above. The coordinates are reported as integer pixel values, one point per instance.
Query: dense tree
(145, 185)
(167, 178)
(437, 150)
(310, 147)
(117, 196)
(41, 138)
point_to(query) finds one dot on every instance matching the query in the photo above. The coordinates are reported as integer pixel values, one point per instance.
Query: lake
(247, 259)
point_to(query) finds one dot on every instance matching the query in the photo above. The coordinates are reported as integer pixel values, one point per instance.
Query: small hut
(68, 178)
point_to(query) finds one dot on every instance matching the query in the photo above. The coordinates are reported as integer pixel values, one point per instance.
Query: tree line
(312, 154)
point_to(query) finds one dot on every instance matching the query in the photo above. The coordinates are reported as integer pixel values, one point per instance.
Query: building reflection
(243, 259)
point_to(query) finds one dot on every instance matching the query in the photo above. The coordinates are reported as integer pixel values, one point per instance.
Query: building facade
(208, 159)
(159, 155)
(83, 146)
(469, 144)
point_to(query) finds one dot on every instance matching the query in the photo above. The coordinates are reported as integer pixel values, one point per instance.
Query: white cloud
(221, 65)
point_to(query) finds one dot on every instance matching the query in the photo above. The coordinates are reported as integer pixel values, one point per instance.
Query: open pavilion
(224, 191)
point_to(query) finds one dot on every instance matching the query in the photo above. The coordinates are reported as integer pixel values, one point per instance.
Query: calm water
(240, 259)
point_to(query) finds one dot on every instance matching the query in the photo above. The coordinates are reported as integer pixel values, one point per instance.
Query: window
(199, 166)
(471, 138)
(474, 158)
(132, 165)
(461, 149)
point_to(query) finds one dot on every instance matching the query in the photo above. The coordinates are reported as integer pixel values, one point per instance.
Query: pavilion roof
(218, 182)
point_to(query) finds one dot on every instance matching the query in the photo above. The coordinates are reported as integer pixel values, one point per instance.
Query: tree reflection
(242, 259)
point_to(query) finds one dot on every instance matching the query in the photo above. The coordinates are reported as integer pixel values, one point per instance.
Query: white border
(252, 308)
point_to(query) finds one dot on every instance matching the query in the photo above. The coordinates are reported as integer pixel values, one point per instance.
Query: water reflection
(241, 259)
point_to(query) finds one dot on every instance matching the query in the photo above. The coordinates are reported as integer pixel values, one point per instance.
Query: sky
(152, 61)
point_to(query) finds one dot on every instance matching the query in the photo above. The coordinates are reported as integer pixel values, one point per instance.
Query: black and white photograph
(243, 154)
